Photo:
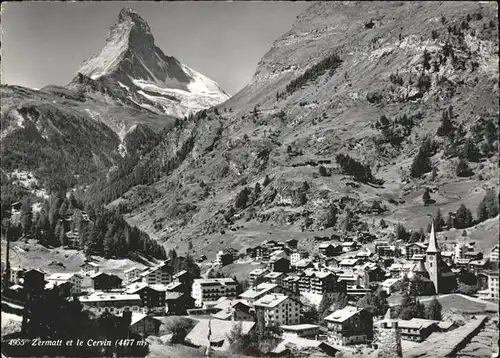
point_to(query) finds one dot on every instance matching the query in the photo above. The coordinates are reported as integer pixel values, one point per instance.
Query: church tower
(433, 259)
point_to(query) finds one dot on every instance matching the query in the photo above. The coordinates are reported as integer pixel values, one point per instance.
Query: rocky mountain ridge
(370, 80)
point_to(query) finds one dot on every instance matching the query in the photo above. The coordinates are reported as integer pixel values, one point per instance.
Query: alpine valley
(350, 117)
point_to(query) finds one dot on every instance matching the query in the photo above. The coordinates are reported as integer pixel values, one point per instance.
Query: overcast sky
(46, 42)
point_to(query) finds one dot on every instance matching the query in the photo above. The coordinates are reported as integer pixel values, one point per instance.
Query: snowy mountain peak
(132, 70)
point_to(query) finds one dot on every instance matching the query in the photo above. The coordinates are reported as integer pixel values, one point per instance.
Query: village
(292, 293)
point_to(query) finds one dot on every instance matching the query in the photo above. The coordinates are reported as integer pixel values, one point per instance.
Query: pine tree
(421, 164)
(439, 221)
(482, 211)
(382, 224)
(462, 168)
(491, 203)
(349, 218)
(331, 216)
(463, 217)
(446, 127)
(419, 310)
(426, 196)
(470, 151)
(434, 310)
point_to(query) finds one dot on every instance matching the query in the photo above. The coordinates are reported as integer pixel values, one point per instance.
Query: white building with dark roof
(116, 303)
(211, 289)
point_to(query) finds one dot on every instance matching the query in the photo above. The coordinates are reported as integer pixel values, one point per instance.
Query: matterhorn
(132, 70)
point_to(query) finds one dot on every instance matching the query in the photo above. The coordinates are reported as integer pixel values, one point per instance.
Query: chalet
(349, 246)
(473, 255)
(329, 249)
(262, 252)
(34, 280)
(477, 266)
(74, 279)
(389, 285)
(132, 274)
(364, 255)
(177, 303)
(415, 248)
(89, 268)
(462, 263)
(233, 252)
(233, 310)
(303, 265)
(350, 325)
(152, 299)
(292, 243)
(348, 265)
(300, 330)
(223, 258)
(144, 325)
(103, 281)
(281, 264)
(400, 269)
(280, 253)
(296, 256)
(417, 329)
(183, 277)
(448, 257)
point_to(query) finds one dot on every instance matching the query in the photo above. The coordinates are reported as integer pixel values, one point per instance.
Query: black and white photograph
(189, 179)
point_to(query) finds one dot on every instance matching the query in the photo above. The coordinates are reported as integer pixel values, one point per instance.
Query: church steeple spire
(433, 247)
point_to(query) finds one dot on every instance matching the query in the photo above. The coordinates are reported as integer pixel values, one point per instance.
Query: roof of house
(274, 274)
(343, 314)
(258, 271)
(90, 264)
(135, 287)
(102, 296)
(131, 269)
(348, 262)
(348, 243)
(271, 300)
(445, 324)
(419, 267)
(215, 281)
(62, 276)
(298, 327)
(319, 274)
(389, 282)
(416, 323)
(325, 245)
(137, 317)
(303, 263)
(173, 295)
